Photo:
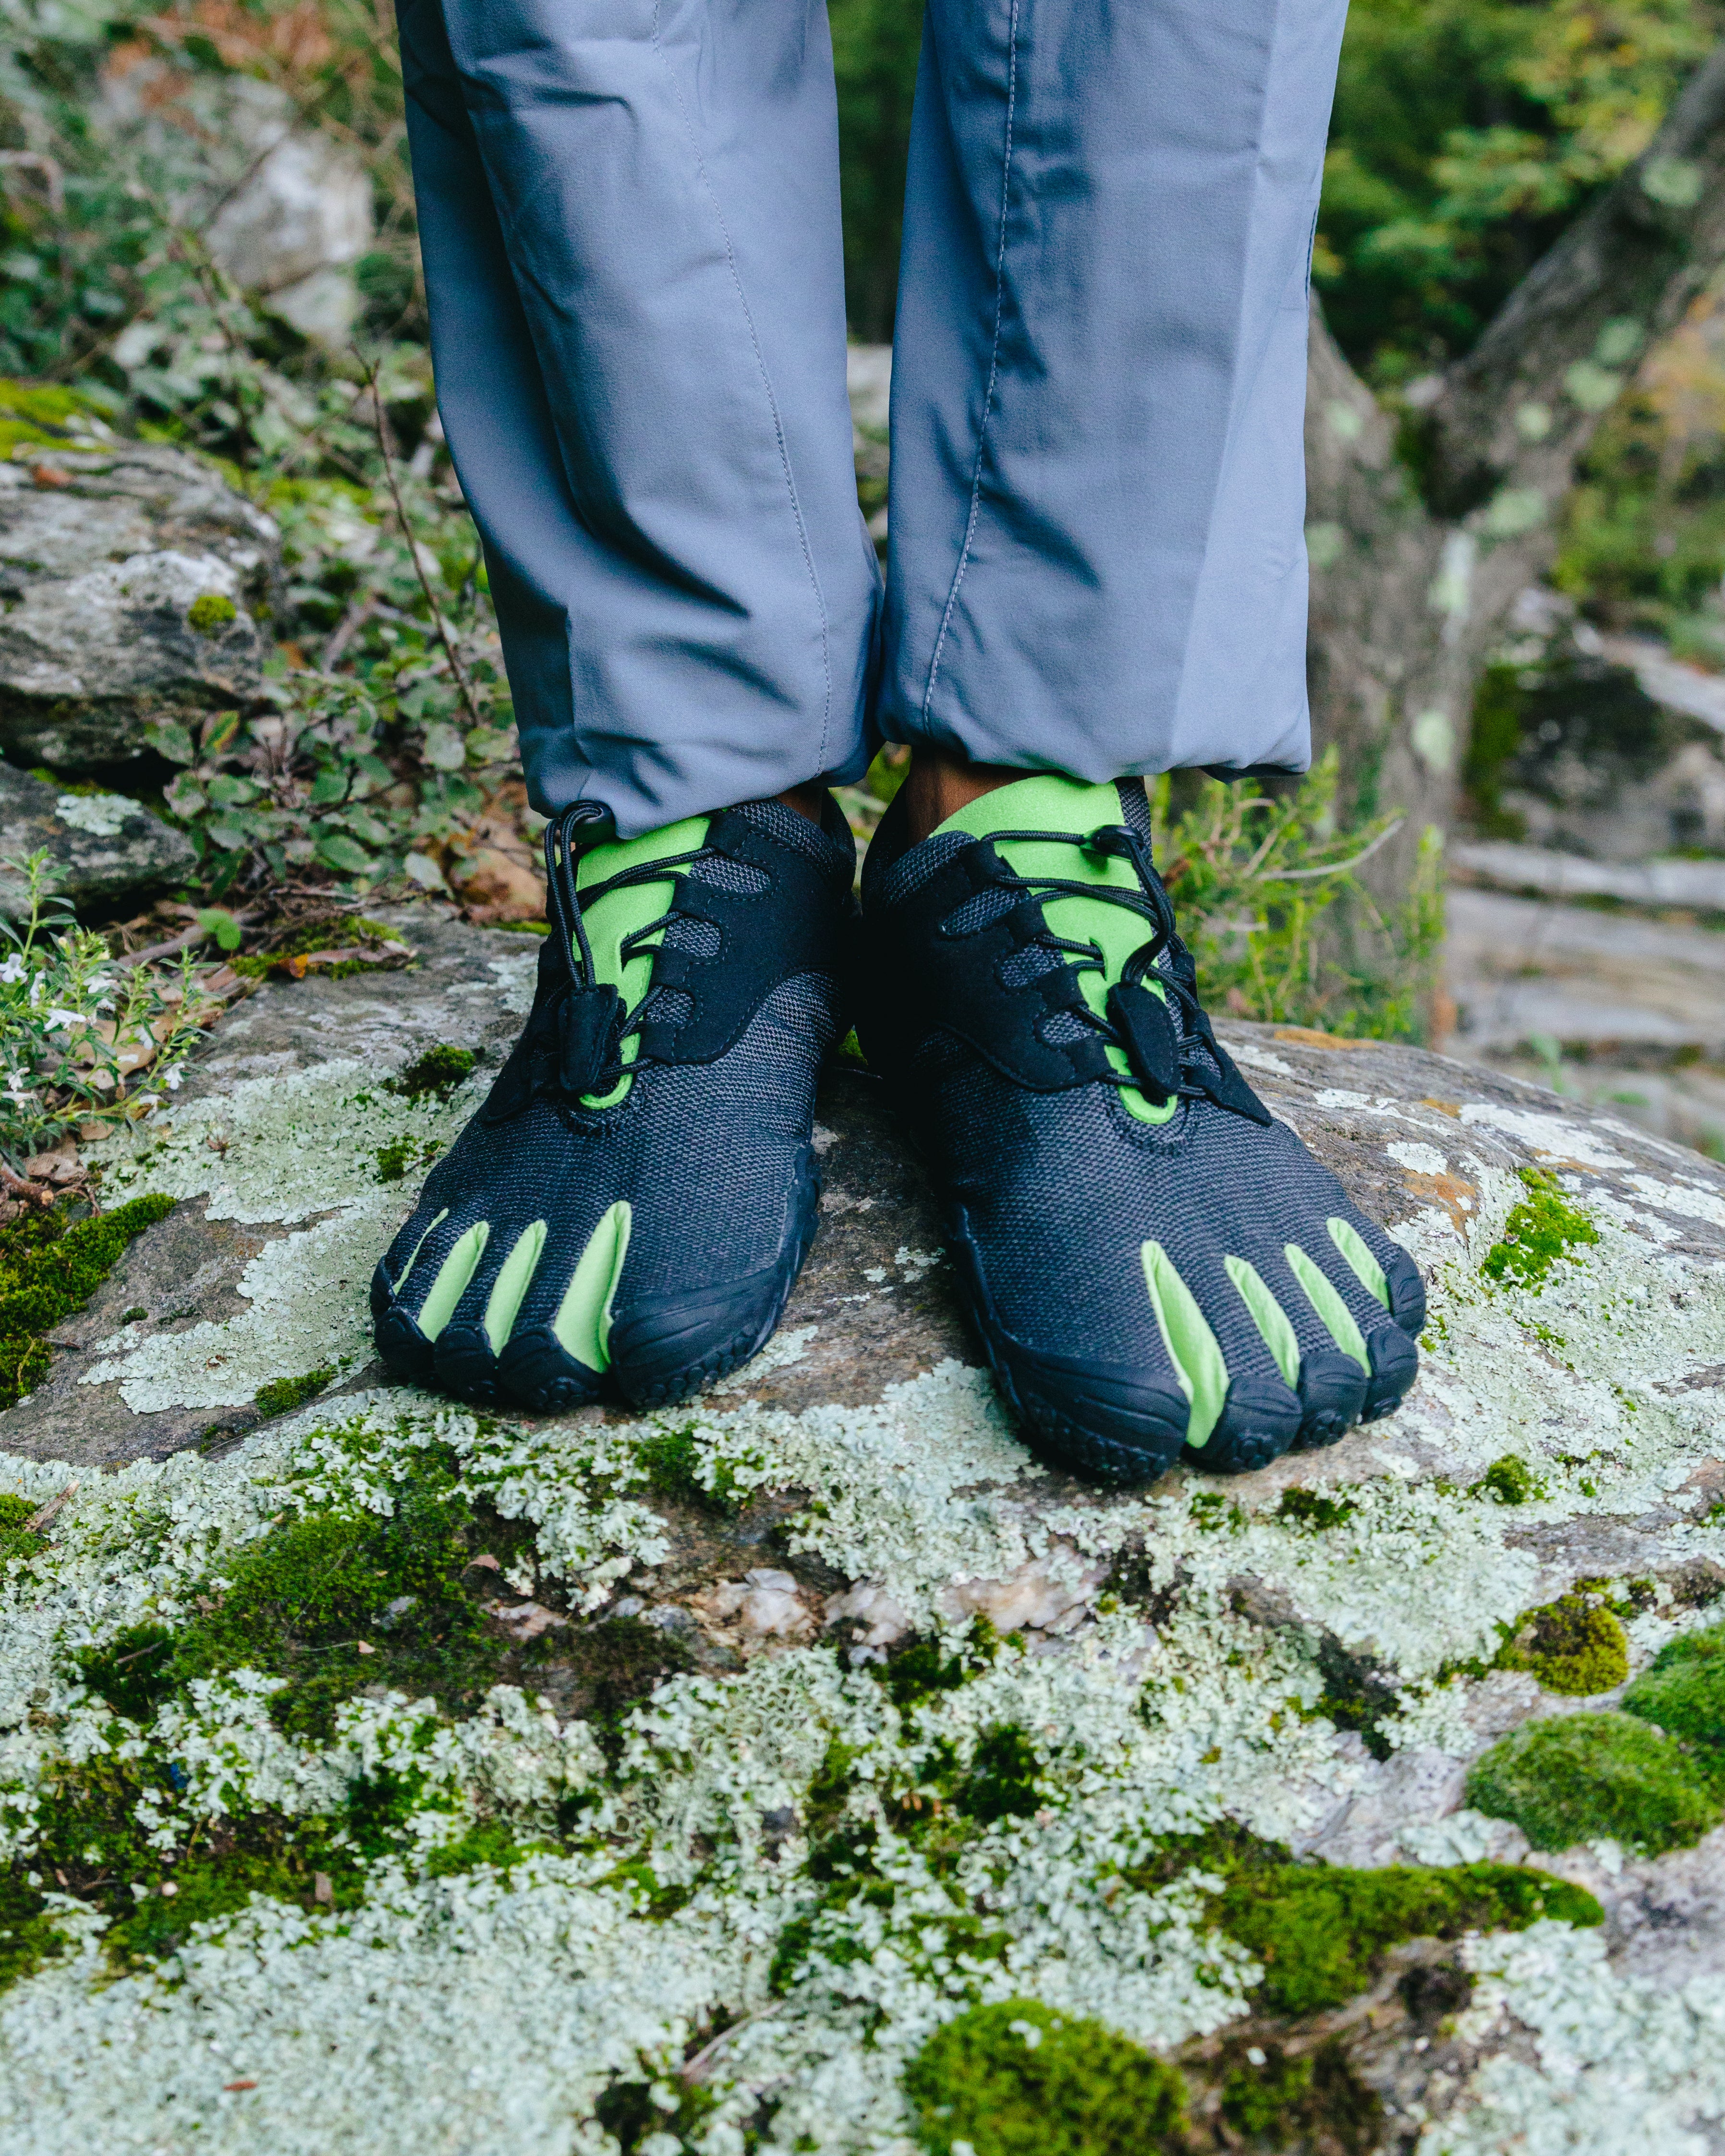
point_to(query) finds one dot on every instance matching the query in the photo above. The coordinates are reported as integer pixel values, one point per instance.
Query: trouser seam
(784, 458)
(982, 446)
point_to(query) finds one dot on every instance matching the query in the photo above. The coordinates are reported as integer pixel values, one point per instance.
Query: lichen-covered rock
(101, 844)
(106, 555)
(674, 1782)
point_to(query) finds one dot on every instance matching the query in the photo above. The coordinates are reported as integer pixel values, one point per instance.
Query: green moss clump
(1320, 1930)
(1542, 1229)
(438, 1070)
(1310, 1508)
(282, 1393)
(39, 412)
(671, 1461)
(28, 1935)
(1510, 1480)
(50, 1266)
(921, 1668)
(1318, 2101)
(14, 1512)
(1581, 1776)
(210, 612)
(1004, 1780)
(1015, 2079)
(394, 1159)
(333, 1603)
(1684, 1691)
(1575, 1646)
(329, 931)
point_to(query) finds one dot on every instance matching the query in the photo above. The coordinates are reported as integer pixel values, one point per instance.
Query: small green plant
(1016, 2079)
(83, 1037)
(210, 613)
(49, 1266)
(1280, 927)
(1575, 1645)
(1543, 1227)
(438, 1070)
(1311, 1508)
(282, 1394)
(1510, 1480)
(1581, 1776)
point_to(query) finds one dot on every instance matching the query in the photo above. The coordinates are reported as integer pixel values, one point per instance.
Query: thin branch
(437, 615)
(1342, 867)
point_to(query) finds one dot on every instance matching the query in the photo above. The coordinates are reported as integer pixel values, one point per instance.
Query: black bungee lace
(1184, 1072)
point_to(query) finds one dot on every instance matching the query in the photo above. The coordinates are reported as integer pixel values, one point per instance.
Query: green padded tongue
(621, 913)
(1051, 803)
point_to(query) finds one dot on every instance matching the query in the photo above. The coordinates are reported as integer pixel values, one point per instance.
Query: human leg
(1097, 572)
(629, 224)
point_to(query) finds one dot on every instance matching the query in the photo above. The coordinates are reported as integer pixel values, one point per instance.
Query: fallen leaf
(322, 1888)
(365, 1647)
(50, 476)
(233, 2088)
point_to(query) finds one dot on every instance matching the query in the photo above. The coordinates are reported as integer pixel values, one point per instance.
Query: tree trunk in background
(1413, 579)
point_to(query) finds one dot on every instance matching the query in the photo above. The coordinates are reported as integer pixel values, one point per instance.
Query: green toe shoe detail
(618, 925)
(1337, 1318)
(1351, 1245)
(413, 1254)
(511, 1286)
(453, 1275)
(1051, 803)
(1191, 1345)
(1269, 1316)
(582, 1324)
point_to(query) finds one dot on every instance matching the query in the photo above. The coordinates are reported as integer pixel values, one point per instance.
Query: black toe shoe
(1156, 1267)
(628, 1210)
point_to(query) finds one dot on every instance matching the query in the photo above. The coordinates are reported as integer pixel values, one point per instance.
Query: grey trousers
(629, 212)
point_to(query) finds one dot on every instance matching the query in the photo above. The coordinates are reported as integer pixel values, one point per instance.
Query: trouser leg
(629, 220)
(1097, 488)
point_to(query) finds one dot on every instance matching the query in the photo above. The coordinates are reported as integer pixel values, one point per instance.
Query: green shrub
(1016, 2079)
(1583, 1777)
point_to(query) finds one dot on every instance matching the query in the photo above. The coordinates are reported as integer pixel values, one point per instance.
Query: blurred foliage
(875, 47)
(1467, 134)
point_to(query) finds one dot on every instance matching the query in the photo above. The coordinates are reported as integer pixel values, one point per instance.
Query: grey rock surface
(103, 553)
(1607, 1380)
(284, 208)
(102, 845)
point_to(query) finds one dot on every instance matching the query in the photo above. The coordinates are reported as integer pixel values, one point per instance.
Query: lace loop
(1178, 1055)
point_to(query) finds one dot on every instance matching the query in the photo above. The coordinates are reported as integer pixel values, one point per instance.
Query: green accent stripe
(413, 1254)
(616, 917)
(1052, 803)
(582, 1324)
(1269, 1316)
(1351, 1245)
(452, 1276)
(1191, 1345)
(1326, 1301)
(511, 1284)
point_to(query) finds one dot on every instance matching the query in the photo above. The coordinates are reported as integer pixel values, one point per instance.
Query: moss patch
(34, 412)
(1575, 1646)
(1320, 1930)
(210, 613)
(49, 1266)
(282, 1393)
(396, 1158)
(329, 931)
(1544, 1227)
(672, 1463)
(1311, 1508)
(1582, 1777)
(921, 1669)
(1510, 1480)
(1015, 2079)
(1316, 2100)
(334, 1603)
(438, 1070)
(1684, 1691)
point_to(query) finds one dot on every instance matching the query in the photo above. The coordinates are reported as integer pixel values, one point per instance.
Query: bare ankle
(939, 784)
(809, 799)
